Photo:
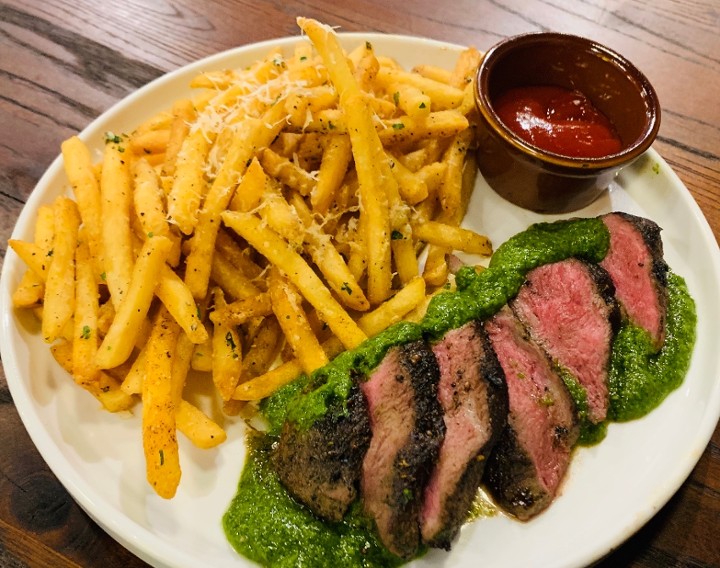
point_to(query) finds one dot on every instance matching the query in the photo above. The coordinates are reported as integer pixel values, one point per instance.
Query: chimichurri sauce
(266, 525)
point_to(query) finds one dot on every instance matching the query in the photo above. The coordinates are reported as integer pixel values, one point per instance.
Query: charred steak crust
(320, 466)
(529, 461)
(407, 431)
(475, 402)
(569, 309)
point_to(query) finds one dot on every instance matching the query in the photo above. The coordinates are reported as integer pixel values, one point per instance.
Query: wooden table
(64, 62)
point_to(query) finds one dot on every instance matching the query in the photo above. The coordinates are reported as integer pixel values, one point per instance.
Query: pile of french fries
(284, 213)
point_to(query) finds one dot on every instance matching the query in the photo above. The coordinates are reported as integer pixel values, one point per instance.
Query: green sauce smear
(266, 525)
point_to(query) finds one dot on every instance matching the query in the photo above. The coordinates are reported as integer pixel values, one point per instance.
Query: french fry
(453, 238)
(158, 409)
(85, 336)
(183, 113)
(120, 339)
(227, 352)
(287, 306)
(198, 427)
(251, 188)
(177, 298)
(442, 95)
(116, 202)
(34, 256)
(149, 207)
(243, 310)
(189, 185)
(79, 170)
(333, 168)
(59, 300)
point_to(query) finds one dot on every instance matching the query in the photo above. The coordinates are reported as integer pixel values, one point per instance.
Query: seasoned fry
(453, 238)
(120, 339)
(287, 306)
(59, 300)
(199, 429)
(116, 203)
(227, 352)
(79, 170)
(158, 415)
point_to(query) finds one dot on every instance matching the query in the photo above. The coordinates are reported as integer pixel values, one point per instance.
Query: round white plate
(611, 489)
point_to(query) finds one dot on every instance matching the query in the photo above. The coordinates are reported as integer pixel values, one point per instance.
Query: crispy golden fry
(251, 188)
(287, 172)
(189, 185)
(150, 142)
(85, 336)
(442, 95)
(120, 339)
(80, 174)
(287, 306)
(197, 427)
(34, 256)
(183, 113)
(227, 352)
(116, 203)
(178, 300)
(243, 310)
(453, 238)
(59, 300)
(149, 207)
(158, 415)
(333, 168)
(268, 243)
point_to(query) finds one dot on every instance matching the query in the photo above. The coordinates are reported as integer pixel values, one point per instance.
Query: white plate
(611, 489)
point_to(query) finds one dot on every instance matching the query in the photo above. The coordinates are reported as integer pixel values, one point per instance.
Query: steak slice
(407, 430)
(638, 271)
(320, 465)
(530, 459)
(569, 309)
(473, 395)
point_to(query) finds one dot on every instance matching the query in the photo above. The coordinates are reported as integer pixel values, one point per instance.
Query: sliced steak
(473, 395)
(529, 461)
(320, 465)
(639, 272)
(407, 430)
(569, 309)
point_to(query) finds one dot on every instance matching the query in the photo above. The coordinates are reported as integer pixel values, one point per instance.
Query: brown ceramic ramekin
(537, 179)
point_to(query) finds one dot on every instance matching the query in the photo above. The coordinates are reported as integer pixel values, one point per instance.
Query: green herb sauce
(266, 525)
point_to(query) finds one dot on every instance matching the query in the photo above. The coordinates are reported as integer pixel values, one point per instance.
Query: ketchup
(558, 120)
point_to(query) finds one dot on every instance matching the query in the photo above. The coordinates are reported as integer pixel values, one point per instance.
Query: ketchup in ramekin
(558, 120)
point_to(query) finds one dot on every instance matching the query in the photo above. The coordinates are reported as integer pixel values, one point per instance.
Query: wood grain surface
(64, 62)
